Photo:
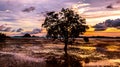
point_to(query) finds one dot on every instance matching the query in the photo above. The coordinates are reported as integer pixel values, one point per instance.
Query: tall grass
(7, 60)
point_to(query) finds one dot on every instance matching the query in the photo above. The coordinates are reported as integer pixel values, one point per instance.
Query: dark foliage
(26, 35)
(3, 37)
(73, 61)
(52, 60)
(87, 60)
(86, 39)
(65, 25)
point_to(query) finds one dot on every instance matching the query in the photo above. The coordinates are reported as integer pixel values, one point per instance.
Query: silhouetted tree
(26, 35)
(65, 24)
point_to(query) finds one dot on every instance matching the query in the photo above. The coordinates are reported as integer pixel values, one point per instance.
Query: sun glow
(112, 30)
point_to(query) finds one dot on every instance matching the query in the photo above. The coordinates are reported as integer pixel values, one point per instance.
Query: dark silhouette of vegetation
(87, 60)
(65, 25)
(2, 37)
(86, 39)
(53, 61)
(26, 35)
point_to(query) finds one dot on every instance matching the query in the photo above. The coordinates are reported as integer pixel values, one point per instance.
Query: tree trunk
(65, 47)
(66, 54)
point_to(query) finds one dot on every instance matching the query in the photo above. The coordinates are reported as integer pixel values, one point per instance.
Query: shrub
(26, 35)
(63, 61)
(2, 37)
(86, 39)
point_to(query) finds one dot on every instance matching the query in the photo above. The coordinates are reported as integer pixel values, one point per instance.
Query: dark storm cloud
(112, 23)
(108, 23)
(100, 29)
(30, 9)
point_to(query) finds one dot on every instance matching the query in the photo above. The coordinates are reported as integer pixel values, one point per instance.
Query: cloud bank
(106, 24)
(34, 31)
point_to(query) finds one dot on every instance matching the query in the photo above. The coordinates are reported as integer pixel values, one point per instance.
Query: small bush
(75, 61)
(86, 39)
(87, 60)
(26, 35)
(72, 61)
(51, 60)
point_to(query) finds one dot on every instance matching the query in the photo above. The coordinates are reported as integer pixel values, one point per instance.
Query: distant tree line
(28, 35)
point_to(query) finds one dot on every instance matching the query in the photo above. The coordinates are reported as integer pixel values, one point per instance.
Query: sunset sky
(18, 17)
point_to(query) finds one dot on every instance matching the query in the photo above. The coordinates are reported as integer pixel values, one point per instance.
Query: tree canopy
(64, 24)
